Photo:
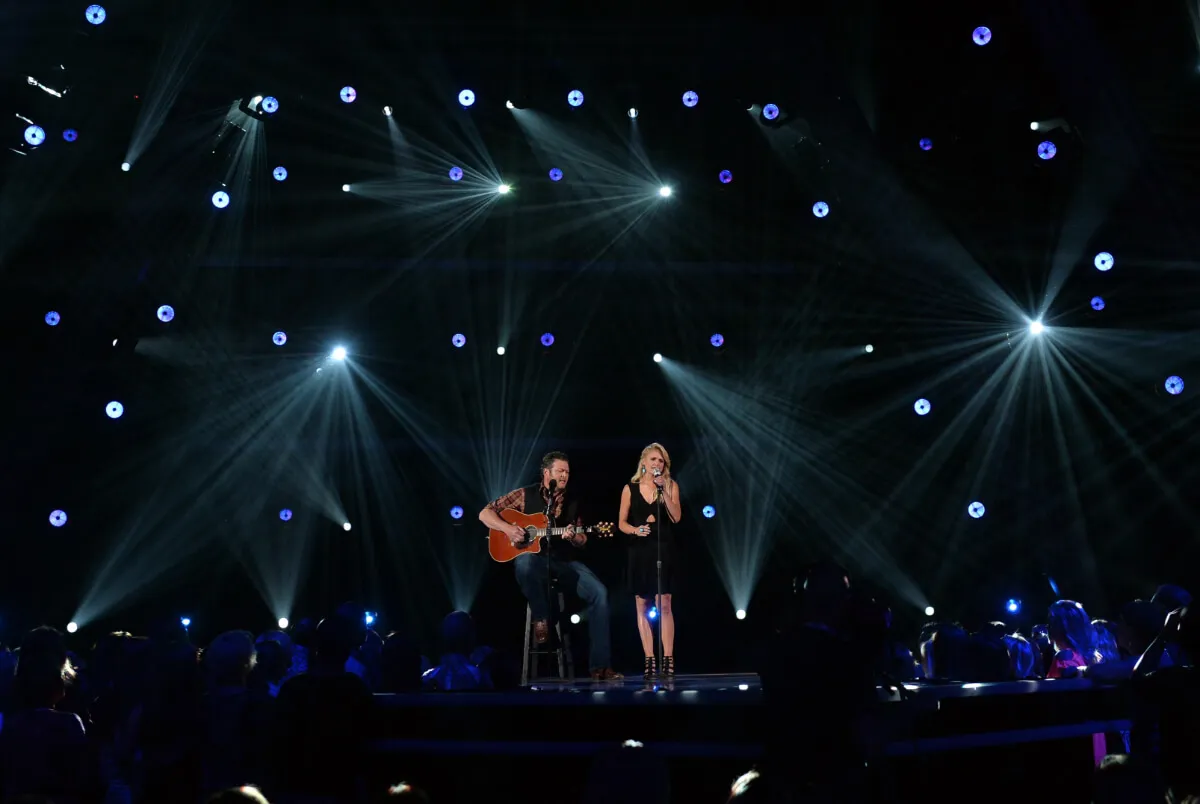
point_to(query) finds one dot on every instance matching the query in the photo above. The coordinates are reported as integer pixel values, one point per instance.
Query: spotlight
(338, 353)
(1103, 261)
(466, 97)
(456, 173)
(575, 619)
(52, 318)
(664, 191)
(690, 99)
(868, 348)
(708, 511)
(1097, 303)
(922, 407)
(459, 340)
(346, 526)
(70, 135)
(820, 209)
(58, 518)
(717, 340)
(456, 512)
(387, 111)
(555, 174)
(1047, 150)
(547, 339)
(1036, 327)
(503, 189)
(982, 35)
(72, 627)
(925, 143)
(1033, 126)
(929, 611)
(114, 410)
(125, 166)
(35, 135)
(575, 97)
(283, 623)
(652, 614)
(370, 617)
(1013, 606)
(509, 105)
(348, 94)
(770, 111)
(1174, 385)
(740, 614)
(500, 350)
(186, 622)
(976, 510)
(345, 188)
(95, 14)
(269, 105)
(280, 173)
(657, 358)
(633, 113)
(166, 313)
(725, 176)
(220, 199)
(279, 338)
(285, 514)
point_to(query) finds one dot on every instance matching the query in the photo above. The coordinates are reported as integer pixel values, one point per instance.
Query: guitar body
(502, 550)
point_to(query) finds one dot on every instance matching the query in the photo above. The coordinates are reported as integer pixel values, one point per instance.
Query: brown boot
(541, 631)
(606, 674)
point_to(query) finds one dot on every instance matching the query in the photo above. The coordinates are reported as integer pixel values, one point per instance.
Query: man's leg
(592, 592)
(531, 577)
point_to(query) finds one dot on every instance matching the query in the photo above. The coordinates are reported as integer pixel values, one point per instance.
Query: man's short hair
(550, 457)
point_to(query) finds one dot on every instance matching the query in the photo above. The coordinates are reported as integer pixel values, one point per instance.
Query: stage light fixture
(286, 514)
(72, 627)
(1036, 327)
(509, 105)
(58, 518)
(555, 174)
(575, 97)
(280, 173)
(348, 94)
(820, 209)
(186, 622)
(346, 526)
(283, 623)
(500, 350)
(976, 510)
(657, 358)
(279, 338)
(503, 189)
(925, 143)
(95, 14)
(922, 407)
(547, 339)
(740, 614)
(70, 135)
(456, 173)
(52, 318)
(633, 113)
(868, 348)
(220, 199)
(166, 313)
(770, 111)
(1103, 261)
(652, 613)
(664, 191)
(929, 611)
(387, 111)
(1174, 385)
(690, 99)
(725, 176)
(459, 340)
(269, 105)
(456, 512)
(982, 35)
(35, 135)
(1047, 150)
(345, 188)
(575, 619)
(338, 353)
(1097, 303)
(708, 511)
(1013, 606)
(370, 617)
(114, 409)
(717, 340)
(466, 98)
(125, 166)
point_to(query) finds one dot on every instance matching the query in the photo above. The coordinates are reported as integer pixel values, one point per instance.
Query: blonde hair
(637, 475)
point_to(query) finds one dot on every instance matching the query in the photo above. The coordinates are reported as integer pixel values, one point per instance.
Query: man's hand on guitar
(516, 535)
(577, 539)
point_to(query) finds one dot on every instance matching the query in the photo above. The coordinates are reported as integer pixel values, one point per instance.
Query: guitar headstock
(603, 528)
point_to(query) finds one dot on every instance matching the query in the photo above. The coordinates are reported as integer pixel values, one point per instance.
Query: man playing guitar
(572, 573)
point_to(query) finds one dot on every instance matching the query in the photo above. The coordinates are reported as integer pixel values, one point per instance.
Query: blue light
(1097, 303)
(708, 511)
(114, 410)
(725, 176)
(466, 98)
(95, 14)
(1174, 385)
(347, 94)
(1047, 150)
(220, 199)
(52, 318)
(925, 143)
(653, 613)
(166, 313)
(35, 135)
(1103, 261)
(575, 97)
(456, 173)
(285, 514)
(717, 340)
(456, 512)
(270, 105)
(369, 618)
(459, 340)
(70, 135)
(690, 99)
(280, 173)
(547, 339)
(1013, 606)
(1053, 586)
(186, 622)
(976, 510)
(58, 518)
(555, 174)
(820, 209)
(982, 35)
(770, 111)
(279, 338)
(922, 406)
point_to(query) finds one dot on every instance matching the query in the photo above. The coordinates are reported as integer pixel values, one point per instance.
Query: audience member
(1106, 641)
(1165, 725)
(455, 672)
(629, 773)
(1121, 779)
(1138, 623)
(234, 723)
(401, 660)
(1021, 657)
(1073, 637)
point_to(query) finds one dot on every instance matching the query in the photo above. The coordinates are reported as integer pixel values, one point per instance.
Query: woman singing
(651, 496)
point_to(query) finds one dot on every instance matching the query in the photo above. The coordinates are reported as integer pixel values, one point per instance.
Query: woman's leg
(666, 621)
(645, 630)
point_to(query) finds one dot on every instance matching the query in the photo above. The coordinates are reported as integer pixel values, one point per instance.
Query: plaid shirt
(515, 500)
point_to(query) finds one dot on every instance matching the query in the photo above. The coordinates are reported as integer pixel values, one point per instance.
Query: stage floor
(744, 689)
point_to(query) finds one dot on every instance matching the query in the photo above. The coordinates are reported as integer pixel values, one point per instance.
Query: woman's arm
(623, 517)
(671, 500)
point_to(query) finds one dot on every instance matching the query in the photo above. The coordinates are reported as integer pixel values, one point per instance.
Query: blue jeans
(572, 575)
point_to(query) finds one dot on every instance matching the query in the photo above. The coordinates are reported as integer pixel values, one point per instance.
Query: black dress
(643, 550)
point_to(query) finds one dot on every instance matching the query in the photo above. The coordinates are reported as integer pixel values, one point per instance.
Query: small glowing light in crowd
(70, 135)
(345, 188)
(633, 113)
(1174, 385)
(286, 514)
(664, 191)
(186, 622)
(740, 614)
(770, 111)
(690, 99)
(725, 176)
(929, 611)
(58, 518)
(1047, 150)
(279, 338)
(125, 166)
(868, 348)
(280, 173)
(1033, 126)
(35, 135)
(346, 526)
(976, 510)
(925, 143)
(575, 97)
(456, 512)
(1013, 606)
(547, 339)
(657, 358)
(1097, 303)
(466, 97)
(982, 35)
(500, 350)
(652, 614)
(1103, 261)
(555, 174)
(270, 105)
(114, 409)
(220, 199)
(52, 318)
(369, 618)
(387, 111)
(1036, 327)
(575, 619)
(95, 14)
(283, 623)
(338, 353)
(348, 94)
(717, 340)
(922, 406)
(456, 173)
(166, 313)
(820, 209)
(459, 340)
(708, 511)
(72, 627)
(509, 105)
(503, 189)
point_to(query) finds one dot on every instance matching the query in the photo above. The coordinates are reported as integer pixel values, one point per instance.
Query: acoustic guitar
(536, 528)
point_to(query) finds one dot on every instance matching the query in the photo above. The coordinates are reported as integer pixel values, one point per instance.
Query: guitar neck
(541, 532)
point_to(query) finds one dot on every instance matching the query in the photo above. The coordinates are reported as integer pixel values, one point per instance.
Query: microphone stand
(658, 573)
(549, 577)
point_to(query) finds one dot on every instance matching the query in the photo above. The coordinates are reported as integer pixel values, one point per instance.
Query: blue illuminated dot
(982, 35)
(725, 176)
(555, 174)
(652, 613)
(186, 622)
(717, 340)
(70, 135)
(690, 99)
(285, 514)
(166, 313)
(220, 199)
(820, 209)
(114, 410)
(922, 407)
(456, 512)
(456, 173)
(347, 94)
(52, 318)
(280, 173)
(1174, 385)
(1013, 606)
(459, 340)
(976, 510)
(770, 111)
(466, 97)
(1097, 303)
(270, 105)
(1103, 261)
(58, 518)
(1047, 150)
(279, 338)
(547, 339)
(95, 14)
(575, 97)
(369, 618)
(35, 135)
(925, 143)
(708, 511)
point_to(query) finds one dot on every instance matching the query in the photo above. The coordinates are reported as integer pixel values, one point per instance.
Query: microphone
(658, 474)
(553, 485)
